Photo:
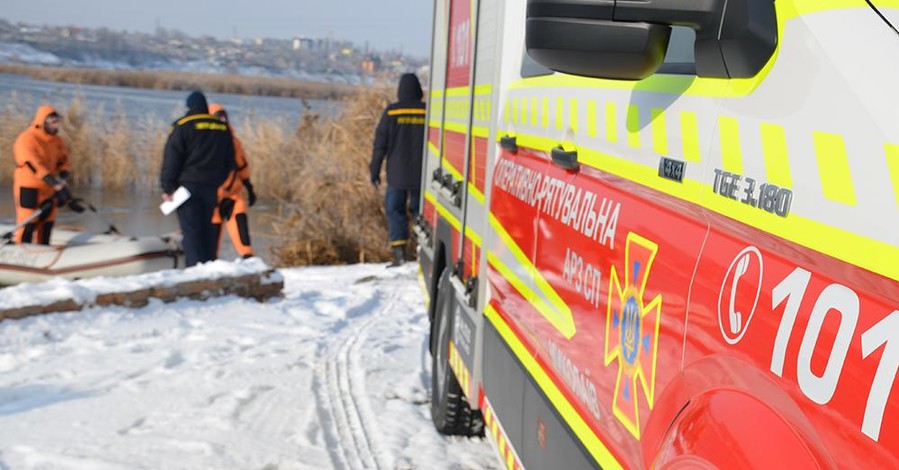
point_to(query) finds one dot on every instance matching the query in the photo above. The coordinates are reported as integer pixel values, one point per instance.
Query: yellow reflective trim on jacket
(394, 112)
(547, 301)
(210, 126)
(193, 117)
(598, 450)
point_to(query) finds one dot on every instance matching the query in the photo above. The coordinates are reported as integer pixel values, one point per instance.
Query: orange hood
(215, 107)
(41, 115)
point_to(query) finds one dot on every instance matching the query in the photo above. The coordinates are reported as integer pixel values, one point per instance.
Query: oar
(112, 228)
(7, 237)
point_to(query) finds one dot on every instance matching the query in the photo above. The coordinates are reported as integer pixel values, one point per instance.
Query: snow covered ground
(334, 375)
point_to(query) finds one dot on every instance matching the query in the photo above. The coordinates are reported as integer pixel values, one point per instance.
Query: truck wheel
(449, 408)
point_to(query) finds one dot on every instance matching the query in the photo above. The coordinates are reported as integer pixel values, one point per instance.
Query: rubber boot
(399, 256)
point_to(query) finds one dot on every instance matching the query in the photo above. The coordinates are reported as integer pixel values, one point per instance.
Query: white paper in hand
(178, 197)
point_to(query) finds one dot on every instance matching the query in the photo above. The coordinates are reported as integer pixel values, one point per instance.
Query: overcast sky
(384, 24)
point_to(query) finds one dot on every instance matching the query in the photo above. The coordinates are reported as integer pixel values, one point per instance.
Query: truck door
(606, 165)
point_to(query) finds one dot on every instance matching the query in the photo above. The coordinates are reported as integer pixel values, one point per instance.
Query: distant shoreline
(184, 81)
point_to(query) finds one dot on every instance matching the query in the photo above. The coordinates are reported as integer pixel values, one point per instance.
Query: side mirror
(597, 48)
(627, 39)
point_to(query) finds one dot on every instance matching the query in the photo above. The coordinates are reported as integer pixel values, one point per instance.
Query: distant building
(305, 44)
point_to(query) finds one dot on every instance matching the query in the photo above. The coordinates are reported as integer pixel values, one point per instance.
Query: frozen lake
(26, 93)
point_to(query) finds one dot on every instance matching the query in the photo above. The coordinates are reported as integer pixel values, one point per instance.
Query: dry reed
(334, 214)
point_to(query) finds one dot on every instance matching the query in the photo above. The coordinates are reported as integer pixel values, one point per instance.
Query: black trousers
(195, 217)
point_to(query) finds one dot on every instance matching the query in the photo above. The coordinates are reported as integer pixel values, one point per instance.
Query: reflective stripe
(659, 131)
(545, 300)
(192, 117)
(394, 112)
(591, 441)
(633, 126)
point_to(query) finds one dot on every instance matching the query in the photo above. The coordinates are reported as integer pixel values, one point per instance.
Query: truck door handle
(509, 142)
(566, 159)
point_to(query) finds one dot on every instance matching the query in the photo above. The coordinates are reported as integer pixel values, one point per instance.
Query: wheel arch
(735, 416)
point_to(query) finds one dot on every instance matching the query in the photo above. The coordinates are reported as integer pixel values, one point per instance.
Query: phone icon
(736, 317)
(744, 275)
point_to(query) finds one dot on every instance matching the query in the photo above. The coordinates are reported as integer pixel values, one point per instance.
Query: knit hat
(196, 103)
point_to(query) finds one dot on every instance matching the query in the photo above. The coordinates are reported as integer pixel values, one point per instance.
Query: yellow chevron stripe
(454, 221)
(633, 126)
(549, 304)
(659, 132)
(833, 165)
(591, 441)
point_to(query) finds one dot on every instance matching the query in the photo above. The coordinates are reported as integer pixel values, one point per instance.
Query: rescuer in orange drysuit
(39, 180)
(232, 208)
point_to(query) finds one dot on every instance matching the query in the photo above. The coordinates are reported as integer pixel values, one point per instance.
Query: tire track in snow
(348, 423)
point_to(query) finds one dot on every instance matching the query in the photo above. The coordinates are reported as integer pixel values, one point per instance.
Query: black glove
(47, 205)
(226, 208)
(63, 196)
(75, 205)
(376, 181)
(251, 195)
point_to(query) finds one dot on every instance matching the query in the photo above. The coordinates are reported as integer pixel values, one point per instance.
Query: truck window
(679, 59)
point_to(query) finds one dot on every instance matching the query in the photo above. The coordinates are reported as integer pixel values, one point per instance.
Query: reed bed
(317, 172)
(169, 80)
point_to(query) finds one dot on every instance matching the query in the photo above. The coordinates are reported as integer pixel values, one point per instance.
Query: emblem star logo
(632, 332)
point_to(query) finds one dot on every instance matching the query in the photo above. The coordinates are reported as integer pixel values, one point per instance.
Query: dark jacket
(200, 149)
(400, 136)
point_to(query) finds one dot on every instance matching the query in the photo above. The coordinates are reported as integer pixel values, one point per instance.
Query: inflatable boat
(76, 254)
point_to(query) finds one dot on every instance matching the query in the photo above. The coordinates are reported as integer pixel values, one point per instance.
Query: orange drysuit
(232, 207)
(38, 154)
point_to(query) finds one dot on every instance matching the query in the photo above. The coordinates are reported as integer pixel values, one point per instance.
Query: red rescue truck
(665, 233)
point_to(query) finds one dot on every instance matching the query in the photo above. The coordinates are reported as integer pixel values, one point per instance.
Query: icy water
(137, 213)
(138, 103)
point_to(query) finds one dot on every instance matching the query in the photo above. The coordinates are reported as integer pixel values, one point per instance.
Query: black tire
(450, 410)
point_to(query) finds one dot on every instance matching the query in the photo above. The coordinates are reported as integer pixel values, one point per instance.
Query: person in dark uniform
(400, 137)
(199, 155)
